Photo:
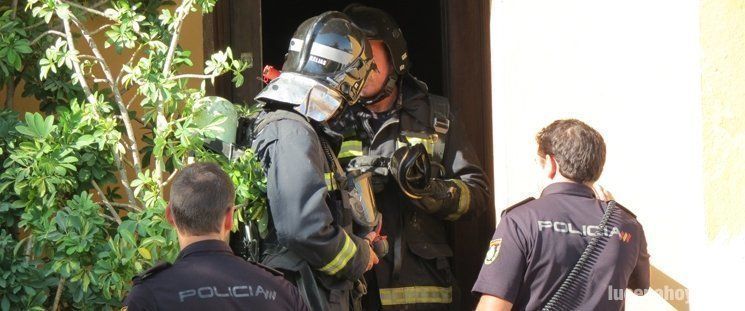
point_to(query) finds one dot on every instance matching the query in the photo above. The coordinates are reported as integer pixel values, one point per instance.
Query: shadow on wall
(669, 289)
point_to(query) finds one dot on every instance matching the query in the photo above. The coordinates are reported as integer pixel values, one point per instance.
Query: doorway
(449, 50)
(423, 33)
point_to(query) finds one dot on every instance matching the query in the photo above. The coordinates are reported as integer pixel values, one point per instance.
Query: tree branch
(76, 67)
(92, 99)
(124, 177)
(95, 32)
(9, 94)
(11, 82)
(107, 216)
(170, 178)
(193, 76)
(107, 203)
(58, 294)
(14, 7)
(58, 26)
(160, 124)
(85, 8)
(115, 90)
(28, 252)
(48, 32)
(129, 206)
(181, 13)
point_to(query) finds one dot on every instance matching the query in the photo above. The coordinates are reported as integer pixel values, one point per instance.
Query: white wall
(631, 70)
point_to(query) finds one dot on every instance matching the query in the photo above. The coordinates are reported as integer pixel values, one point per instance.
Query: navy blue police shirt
(537, 243)
(208, 276)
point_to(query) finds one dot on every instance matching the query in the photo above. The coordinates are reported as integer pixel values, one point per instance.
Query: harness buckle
(441, 125)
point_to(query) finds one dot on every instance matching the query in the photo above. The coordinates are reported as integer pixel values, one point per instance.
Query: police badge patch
(493, 251)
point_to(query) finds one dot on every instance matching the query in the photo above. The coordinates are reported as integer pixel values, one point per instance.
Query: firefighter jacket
(310, 236)
(416, 273)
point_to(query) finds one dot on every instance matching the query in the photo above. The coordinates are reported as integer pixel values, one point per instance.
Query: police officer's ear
(550, 167)
(227, 224)
(169, 216)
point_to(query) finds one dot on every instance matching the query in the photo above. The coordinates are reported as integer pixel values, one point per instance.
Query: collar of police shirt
(568, 188)
(212, 246)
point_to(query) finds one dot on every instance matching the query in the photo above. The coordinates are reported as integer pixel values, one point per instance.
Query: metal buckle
(441, 125)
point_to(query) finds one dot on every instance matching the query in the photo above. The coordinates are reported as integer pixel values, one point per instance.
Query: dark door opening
(420, 22)
(448, 43)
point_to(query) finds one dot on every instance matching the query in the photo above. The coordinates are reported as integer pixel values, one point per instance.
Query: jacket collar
(206, 246)
(568, 188)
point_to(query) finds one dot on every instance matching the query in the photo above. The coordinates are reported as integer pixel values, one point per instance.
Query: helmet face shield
(328, 62)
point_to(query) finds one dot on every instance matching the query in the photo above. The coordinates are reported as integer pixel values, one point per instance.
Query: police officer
(206, 275)
(311, 236)
(427, 175)
(538, 242)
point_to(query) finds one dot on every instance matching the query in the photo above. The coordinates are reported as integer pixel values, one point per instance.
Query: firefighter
(310, 235)
(427, 175)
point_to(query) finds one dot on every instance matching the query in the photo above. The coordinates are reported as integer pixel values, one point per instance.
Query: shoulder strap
(150, 272)
(521, 203)
(625, 209)
(279, 114)
(268, 269)
(439, 108)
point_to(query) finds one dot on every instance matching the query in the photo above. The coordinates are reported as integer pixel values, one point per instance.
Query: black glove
(411, 168)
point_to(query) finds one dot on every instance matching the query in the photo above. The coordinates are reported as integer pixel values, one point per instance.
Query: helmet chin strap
(390, 85)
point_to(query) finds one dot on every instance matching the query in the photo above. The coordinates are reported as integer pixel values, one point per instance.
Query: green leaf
(145, 253)
(83, 141)
(14, 59)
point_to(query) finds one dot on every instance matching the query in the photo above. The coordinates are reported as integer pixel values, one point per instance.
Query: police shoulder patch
(150, 272)
(493, 252)
(269, 269)
(507, 210)
(625, 209)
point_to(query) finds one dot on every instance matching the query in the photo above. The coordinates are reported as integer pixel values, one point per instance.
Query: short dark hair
(201, 195)
(578, 149)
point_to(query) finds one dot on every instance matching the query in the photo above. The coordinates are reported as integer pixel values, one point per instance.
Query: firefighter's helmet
(327, 64)
(379, 25)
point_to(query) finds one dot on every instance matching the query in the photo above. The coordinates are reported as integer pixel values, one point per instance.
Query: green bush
(81, 195)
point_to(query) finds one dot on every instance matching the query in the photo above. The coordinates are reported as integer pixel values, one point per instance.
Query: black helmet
(379, 25)
(327, 64)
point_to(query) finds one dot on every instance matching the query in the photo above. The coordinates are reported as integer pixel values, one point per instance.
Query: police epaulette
(150, 272)
(516, 205)
(625, 209)
(267, 268)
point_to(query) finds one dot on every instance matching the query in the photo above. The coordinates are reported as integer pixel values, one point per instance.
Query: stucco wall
(723, 107)
(632, 70)
(723, 110)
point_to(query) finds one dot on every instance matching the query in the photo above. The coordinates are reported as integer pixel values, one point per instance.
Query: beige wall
(663, 81)
(723, 106)
(723, 110)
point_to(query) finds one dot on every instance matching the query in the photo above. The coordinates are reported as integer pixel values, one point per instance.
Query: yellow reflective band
(415, 294)
(350, 149)
(330, 181)
(342, 258)
(464, 201)
(429, 143)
